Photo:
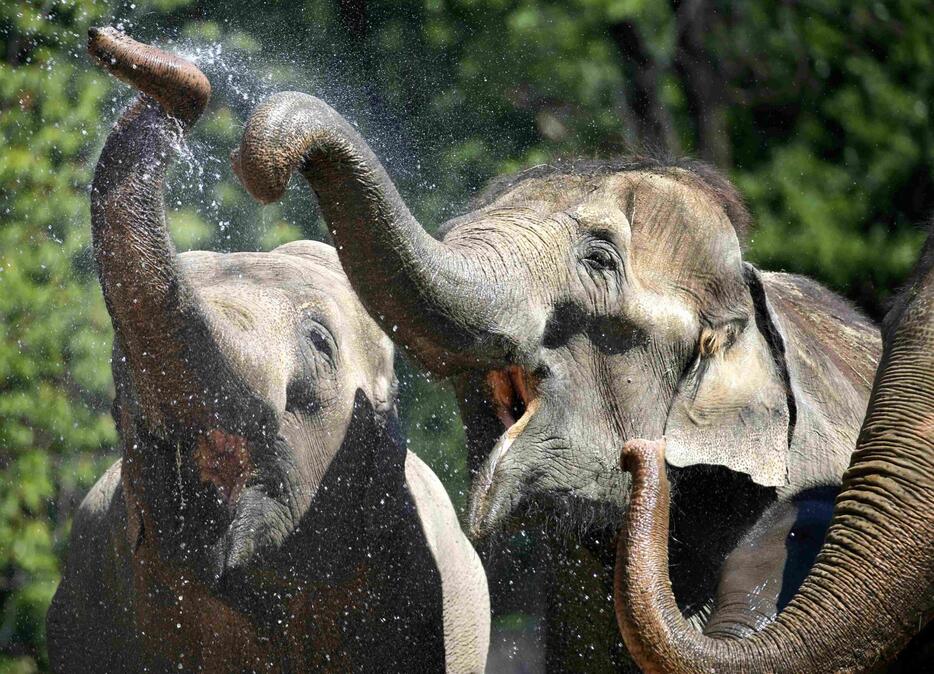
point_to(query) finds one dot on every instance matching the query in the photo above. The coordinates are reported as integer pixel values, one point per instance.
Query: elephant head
(580, 306)
(241, 378)
(872, 586)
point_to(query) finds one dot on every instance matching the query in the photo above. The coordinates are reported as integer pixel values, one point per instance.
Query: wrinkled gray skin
(265, 515)
(578, 307)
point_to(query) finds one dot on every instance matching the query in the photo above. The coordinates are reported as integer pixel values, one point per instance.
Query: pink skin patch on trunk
(223, 459)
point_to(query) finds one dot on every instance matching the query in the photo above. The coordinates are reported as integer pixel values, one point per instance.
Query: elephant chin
(492, 501)
(258, 528)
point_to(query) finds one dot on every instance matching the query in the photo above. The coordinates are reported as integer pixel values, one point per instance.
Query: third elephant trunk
(432, 299)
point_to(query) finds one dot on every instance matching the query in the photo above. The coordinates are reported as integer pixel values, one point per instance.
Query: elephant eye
(320, 340)
(599, 258)
(321, 344)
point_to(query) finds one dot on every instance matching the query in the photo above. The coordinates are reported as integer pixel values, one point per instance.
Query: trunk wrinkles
(396, 266)
(171, 341)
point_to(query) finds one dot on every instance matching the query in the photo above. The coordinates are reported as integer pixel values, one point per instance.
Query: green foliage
(55, 345)
(840, 189)
(819, 110)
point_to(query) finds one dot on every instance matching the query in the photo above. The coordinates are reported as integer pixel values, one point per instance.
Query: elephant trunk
(431, 298)
(171, 343)
(872, 586)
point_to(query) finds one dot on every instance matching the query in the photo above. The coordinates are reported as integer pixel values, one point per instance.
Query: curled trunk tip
(275, 140)
(175, 83)
(265, 181)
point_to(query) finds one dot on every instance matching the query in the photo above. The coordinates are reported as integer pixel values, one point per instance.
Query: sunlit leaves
(55, 345)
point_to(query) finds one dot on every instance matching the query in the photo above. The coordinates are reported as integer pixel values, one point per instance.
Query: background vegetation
(818, 109)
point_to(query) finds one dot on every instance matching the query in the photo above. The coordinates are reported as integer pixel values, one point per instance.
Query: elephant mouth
(225, 461)
(515, 400)
(514, 397)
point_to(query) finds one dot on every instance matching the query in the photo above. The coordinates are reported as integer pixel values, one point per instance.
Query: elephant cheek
(223, 460)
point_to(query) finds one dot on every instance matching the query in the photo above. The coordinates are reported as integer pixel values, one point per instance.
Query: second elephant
(871, 589)
(581, 305)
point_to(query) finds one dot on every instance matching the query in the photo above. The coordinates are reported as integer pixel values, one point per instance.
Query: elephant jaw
(516, 399)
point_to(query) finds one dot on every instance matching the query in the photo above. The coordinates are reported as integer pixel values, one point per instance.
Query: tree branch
(704, 88)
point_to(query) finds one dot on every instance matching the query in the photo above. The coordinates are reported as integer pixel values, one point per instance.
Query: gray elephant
(872, 586)
(579, 306)
(265, 515)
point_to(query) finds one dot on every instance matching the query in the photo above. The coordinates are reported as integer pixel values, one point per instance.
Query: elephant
(265, 514)
(579, 305)
(871, 588)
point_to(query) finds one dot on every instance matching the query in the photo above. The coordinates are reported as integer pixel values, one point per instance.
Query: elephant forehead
(561, 192)
(314, 252)
(249, 306)
(671, 213)
(673, 200)
(256, 307)
(547, 194)
(277, 269)
(269, 292)
(273, 278)
(678, 231)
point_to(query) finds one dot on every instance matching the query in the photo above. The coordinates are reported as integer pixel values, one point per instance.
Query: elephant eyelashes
(320, 339)
(599, 258)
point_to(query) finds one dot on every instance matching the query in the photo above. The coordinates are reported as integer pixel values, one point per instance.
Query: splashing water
(203, 188)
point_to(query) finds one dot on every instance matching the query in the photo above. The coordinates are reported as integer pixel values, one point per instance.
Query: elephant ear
(735, 408)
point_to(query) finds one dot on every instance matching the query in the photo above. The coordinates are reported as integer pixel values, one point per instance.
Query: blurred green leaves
(55, 428)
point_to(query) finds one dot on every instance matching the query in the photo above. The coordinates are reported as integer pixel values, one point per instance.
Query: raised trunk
(445, 296)
(872, 586)
(170, 342)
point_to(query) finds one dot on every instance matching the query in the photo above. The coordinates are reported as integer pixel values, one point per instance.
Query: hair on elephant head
(872, 586)
(580, 305)
(265, 509)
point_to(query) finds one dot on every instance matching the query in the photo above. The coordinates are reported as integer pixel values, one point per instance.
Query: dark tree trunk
(653, 124)
(704, 86)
